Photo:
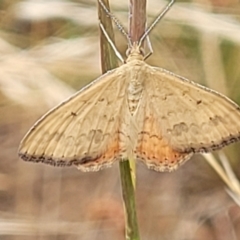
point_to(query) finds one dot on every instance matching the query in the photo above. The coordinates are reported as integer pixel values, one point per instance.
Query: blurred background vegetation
(48, 50)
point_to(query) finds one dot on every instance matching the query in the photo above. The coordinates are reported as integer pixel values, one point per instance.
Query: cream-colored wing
(191, 118)
(83, 130)
(152, 147)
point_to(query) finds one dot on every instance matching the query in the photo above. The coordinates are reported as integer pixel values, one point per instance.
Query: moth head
(135, 51)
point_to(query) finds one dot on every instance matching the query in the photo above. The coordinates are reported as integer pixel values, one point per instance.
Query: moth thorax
(134, 94)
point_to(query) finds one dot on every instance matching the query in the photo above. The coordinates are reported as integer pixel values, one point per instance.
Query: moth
(135, 111)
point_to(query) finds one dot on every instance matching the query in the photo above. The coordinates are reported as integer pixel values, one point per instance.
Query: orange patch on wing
(103, 160)
(155, 151)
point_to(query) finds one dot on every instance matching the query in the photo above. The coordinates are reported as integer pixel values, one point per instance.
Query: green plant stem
(128, 193)
(127, 168)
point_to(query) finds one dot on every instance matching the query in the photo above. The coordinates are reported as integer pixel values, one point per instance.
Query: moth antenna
(160, 16)
(116, 22)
